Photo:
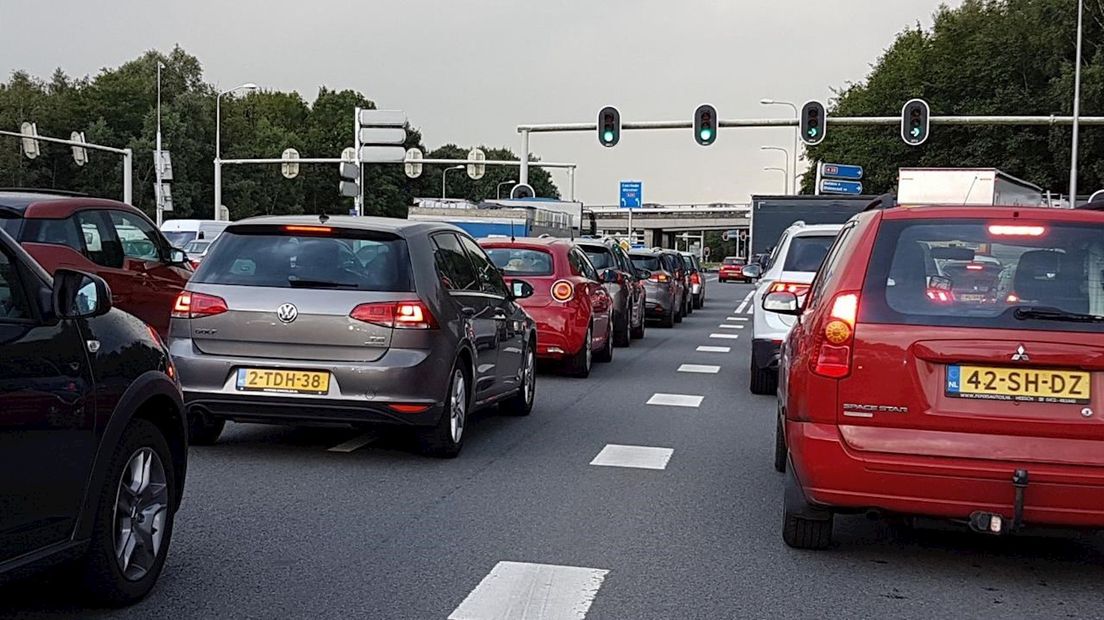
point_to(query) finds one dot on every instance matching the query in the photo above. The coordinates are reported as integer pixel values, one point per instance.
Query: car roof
(393, 225)
(46, 204)
(815, 229)
(988, 212)
(526, 242)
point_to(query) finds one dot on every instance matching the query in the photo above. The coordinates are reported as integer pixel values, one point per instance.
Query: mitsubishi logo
(1021, 355)
(288, 313)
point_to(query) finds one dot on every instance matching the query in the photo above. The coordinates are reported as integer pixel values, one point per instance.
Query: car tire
(680, 311)
(670, 319)
(699, 302)
(521, 403)
(763, 380)
(780, 452)
(606, 354)
(580, 363)
(203, 430)
(638, 331)
(621, 337)
(804, 526)
(445, 438)
(688, 305)
(103, 580)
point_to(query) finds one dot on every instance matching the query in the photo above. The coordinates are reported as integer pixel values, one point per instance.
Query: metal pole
(631, 238)
(523, 174)
(358, 200)
(128, 174)
(785, 173)
(1076, 106)
(837, 121)
(816, 183)
(157, 158)
(444, 175)
(787, 161)
(498, 188)
(571, 176)
(218, 155)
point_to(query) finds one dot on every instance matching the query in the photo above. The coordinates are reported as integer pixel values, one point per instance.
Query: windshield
(601, 258)
(356, 260)
(807, 252)
(651, 263)
(521, 262)
(978, 273)
(179, 238)
(197, 247)
(734, 261)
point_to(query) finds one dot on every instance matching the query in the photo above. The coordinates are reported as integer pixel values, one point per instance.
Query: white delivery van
(181, 232)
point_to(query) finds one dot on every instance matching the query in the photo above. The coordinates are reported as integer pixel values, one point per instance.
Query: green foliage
(986, 57)
(117, 108)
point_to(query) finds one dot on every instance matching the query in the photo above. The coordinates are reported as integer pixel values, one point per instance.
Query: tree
(986, 57)
(462, 186)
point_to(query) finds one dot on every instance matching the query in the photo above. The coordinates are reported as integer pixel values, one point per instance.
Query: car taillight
(191, 305)
(832, 354)
(940, 295)
(658, 277)
(562, 290)
(796, 288)
(1016, 230)
(396, 315)
(695, 278)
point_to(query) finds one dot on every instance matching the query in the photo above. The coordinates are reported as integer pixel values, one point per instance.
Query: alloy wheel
(458, 405)
(141, 510)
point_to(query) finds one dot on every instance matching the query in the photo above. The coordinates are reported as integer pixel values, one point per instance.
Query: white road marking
(675, 400)
(737, 318)
(640, 457)
(727, 326)
(524, 591)
(751, 309)
(354, 444)
(705, 349)
(725, 336)
(703, 369)
(744, 303)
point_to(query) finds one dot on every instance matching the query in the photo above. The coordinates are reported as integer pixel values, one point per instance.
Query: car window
(100, 245)
(623, 262)
(138, 237)
(734, 261)
(828, 271)
(651, 263)
(521, 261)
(775, 250)
(180, 238)
(973, 273)
(807, 252)
(64, 232)
(489, 276)
(271, 257)
(10, 224)
(13, 302)
(600, 257)
(453, 265)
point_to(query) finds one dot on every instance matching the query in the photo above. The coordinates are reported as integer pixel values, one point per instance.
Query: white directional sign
(80, 154)
(382, 154)
(166, 196)
(382, 135)
(30, 145)
(165, 159)
(382, 118)
(413, 170)
(290, 170)
(476, 171)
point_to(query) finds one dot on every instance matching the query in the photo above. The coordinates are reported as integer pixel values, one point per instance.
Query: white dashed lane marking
(640, 457)
(675, 400)
(524, 591)
(744, 303)
(725, 336)
(705, 349)
(737, 318)
(354, 444)
(700, 368)
(729, 326)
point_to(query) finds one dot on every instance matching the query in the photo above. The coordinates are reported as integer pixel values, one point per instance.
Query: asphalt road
(275, 524)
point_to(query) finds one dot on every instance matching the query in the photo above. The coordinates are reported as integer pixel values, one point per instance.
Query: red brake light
(562, 290)
(658, 277)
(695, 278)
(1016, 230)
(309, 229)
(796, 288)
(975, 267)
(832, 347)
(396, 315)
(191, 305)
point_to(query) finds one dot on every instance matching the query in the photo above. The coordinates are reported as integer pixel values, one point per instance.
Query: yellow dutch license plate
(1015, 384)
(285, 381)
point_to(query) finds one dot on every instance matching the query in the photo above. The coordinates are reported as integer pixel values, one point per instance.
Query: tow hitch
(992, 523)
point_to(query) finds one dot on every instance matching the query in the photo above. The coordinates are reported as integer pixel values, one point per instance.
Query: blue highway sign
(833, 186)
(632, 194)
(841, 171)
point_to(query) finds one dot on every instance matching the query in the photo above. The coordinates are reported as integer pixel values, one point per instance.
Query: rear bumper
(835, 476)
(558, 336)
(731, 275)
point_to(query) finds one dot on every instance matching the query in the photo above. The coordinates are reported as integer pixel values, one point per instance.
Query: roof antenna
(970, 191)
(323, 218)
(511, 230)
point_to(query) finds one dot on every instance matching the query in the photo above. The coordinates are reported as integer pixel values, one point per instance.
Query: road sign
(841, 171)
(521, 191)
(382, 135)
(290, 170)
(382, 154)
(476, 171)
(836, 186)
(30, 145)
(80, 154)
(729, 235)
(165, 159)
(632, 194)
(382, 118)
(705, 252)
(413, 170)
(166, 196)
(743, 235)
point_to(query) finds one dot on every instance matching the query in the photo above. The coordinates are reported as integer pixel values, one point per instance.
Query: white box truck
(966, 186)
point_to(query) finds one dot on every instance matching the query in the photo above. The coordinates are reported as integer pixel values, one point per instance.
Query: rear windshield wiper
(1024, 313)
(301, 283)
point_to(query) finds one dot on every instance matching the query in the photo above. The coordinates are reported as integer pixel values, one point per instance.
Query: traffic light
(813, 123)
(705, 124)
(915, 122)
(609, 126)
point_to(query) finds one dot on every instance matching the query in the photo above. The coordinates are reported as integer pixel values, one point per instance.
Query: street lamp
(444, 175)
(498, 190)
(787, 160)
(250, 86)
(785, 173)
(1076, 105)
(793, 107)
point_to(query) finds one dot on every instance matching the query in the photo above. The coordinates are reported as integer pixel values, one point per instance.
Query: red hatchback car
(732, 268)
(572, 309)
(903, 391)
(110, 239)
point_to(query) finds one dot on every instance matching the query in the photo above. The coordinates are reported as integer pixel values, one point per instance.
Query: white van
(181, 232)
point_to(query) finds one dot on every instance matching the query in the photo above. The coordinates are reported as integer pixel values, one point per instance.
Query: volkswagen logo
(1021, 355)
(287, 313)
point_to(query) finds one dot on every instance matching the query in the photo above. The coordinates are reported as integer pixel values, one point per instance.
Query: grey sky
(469, 71)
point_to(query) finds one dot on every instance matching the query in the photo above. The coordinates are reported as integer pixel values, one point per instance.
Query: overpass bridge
(661, 223)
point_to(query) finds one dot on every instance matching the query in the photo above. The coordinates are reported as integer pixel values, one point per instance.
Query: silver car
(352, 321)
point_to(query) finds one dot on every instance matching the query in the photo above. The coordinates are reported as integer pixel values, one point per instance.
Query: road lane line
(725, 336)
(737, 318)
(703, 369)
(705, 349)
(727, 326)
(675, 400)
(532, 592)
(639, 457)
(744, 303)
(354, 444)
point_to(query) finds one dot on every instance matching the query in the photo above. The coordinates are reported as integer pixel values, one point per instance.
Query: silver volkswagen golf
(344, 320)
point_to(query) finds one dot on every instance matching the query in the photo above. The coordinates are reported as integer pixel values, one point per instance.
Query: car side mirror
(79, 295)
(643, 274)
(782, 302)
(177, 256)
(752, 271)
(610, 275)
(520, 289)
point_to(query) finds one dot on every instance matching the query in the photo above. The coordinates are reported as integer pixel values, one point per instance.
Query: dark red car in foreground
(732, 268)
(900, 391)
(572, 309)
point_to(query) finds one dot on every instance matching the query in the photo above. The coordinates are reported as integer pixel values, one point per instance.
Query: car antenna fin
(323, 218)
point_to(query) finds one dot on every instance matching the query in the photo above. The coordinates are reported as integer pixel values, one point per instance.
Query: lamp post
(444, 176)
(498, 190)
(785, 173)
(797, 130)
(787, 161)
(160, 158)
(250, 86)
(1076, 105)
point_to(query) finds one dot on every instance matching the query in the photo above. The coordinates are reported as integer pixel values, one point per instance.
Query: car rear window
(651, 263)
(807, 252)
(521, 261)
(11, 225)
(978, 273)
(180, 238)
(734, 261)
(331, 259)
(601, 258)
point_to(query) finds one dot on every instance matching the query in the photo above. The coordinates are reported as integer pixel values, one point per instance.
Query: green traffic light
(608, 136)
(813, 131)
(706, 135)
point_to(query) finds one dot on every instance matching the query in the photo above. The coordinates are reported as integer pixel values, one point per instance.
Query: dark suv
(624, 286)
(93, 446)
(108, 238)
